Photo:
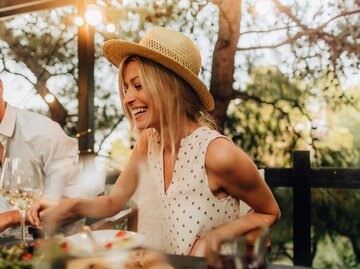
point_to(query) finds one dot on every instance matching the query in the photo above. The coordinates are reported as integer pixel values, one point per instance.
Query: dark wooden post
(302, 208)
(10, 8)
(86, 84)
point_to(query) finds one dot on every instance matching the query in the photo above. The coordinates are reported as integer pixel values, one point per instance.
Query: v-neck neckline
(166, 191)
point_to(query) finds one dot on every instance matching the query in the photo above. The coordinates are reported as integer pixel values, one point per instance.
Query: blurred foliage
(282, 119)
(301, 101)
(282, 115)
(120, 153)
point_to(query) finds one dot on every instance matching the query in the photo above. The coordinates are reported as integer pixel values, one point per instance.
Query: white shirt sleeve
(61, 167)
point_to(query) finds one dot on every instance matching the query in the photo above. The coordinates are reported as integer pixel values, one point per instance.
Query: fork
(95, 245)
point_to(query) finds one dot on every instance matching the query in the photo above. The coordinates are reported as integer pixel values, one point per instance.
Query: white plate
(80, 244)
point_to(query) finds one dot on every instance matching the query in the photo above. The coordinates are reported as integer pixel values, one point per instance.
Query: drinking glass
(246, 251)
(21, 185)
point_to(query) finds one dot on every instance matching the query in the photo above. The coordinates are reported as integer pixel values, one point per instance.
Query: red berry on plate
(120, 233)
(26, 257)
(108, 245)
(64, 246)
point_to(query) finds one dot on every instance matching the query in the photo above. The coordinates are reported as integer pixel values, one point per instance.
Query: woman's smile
(137, 99)
(137, 113)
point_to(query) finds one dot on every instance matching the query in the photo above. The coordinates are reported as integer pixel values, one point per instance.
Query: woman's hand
(198, 249)
(33, 213)
(209, 246)
(50, 213)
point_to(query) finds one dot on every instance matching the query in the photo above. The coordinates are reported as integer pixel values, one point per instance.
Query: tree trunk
(222, 75)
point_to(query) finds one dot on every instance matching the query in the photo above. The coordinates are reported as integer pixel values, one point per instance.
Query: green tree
(253, 122)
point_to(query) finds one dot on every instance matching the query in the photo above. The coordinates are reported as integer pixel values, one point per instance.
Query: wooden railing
(301, 178)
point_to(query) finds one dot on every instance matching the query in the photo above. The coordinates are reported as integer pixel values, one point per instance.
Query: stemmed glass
(21, 185)
(244, 251)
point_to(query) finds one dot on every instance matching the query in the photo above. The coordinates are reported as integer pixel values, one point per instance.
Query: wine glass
(244, 251)
(21, 185)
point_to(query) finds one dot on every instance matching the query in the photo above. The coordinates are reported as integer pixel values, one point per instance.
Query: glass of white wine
(21, 185)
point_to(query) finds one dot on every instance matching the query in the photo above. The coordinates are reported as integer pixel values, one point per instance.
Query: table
(177, 261)
(8, 240)
(276, 266)
(187, 262)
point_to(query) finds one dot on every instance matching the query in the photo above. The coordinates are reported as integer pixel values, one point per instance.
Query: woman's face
(137, 99)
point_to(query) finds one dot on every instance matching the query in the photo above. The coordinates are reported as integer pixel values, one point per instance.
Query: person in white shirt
(24, 134)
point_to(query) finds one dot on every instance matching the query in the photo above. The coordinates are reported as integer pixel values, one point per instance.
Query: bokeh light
(110, 27)
(79, 21)
(93, 15)
(49, 98)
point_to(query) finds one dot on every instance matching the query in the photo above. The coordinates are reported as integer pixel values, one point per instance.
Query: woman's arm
(98, 207)
(229, 169)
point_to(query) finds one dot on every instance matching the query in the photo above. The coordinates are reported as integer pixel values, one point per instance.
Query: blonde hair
(176, 99)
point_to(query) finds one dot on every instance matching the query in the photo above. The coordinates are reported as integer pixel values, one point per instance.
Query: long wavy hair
(176, 99)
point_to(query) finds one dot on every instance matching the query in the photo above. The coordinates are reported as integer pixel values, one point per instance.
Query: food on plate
(120, 233)
(17, 255)
(134, 259)
(106, 240)
(88, 263)
(146, 259)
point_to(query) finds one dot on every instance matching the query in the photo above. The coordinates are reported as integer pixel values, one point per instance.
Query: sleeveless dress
(173, 220)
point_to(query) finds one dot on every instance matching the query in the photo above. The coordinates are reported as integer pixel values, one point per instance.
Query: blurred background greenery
(284, 75)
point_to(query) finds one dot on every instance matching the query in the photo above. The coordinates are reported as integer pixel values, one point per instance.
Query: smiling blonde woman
(195, 177)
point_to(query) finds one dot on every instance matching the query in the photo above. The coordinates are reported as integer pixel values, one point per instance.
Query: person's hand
(50, 214)
(198, 249)
(9, 219)
(47, 210)
(33, 214)
(209, 246)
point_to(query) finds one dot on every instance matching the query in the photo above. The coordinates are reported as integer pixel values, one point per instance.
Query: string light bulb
(93, 15)
(49, 98)
(83, 132)
(110, 27)
(79, 21)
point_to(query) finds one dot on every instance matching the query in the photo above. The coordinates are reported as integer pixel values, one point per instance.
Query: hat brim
(117, 50)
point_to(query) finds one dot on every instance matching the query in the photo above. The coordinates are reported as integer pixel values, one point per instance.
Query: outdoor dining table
(189, 262)
(179, 261)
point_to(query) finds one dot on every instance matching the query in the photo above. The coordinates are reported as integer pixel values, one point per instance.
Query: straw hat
(169, 48)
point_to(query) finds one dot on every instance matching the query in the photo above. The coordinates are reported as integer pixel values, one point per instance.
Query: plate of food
(133, 259)
(101, 242)
(19, 255)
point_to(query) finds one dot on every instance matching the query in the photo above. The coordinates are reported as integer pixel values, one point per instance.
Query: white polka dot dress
(188, 210)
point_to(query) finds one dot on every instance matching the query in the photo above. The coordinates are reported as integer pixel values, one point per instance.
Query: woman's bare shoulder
(222, 154)
(229, 164)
